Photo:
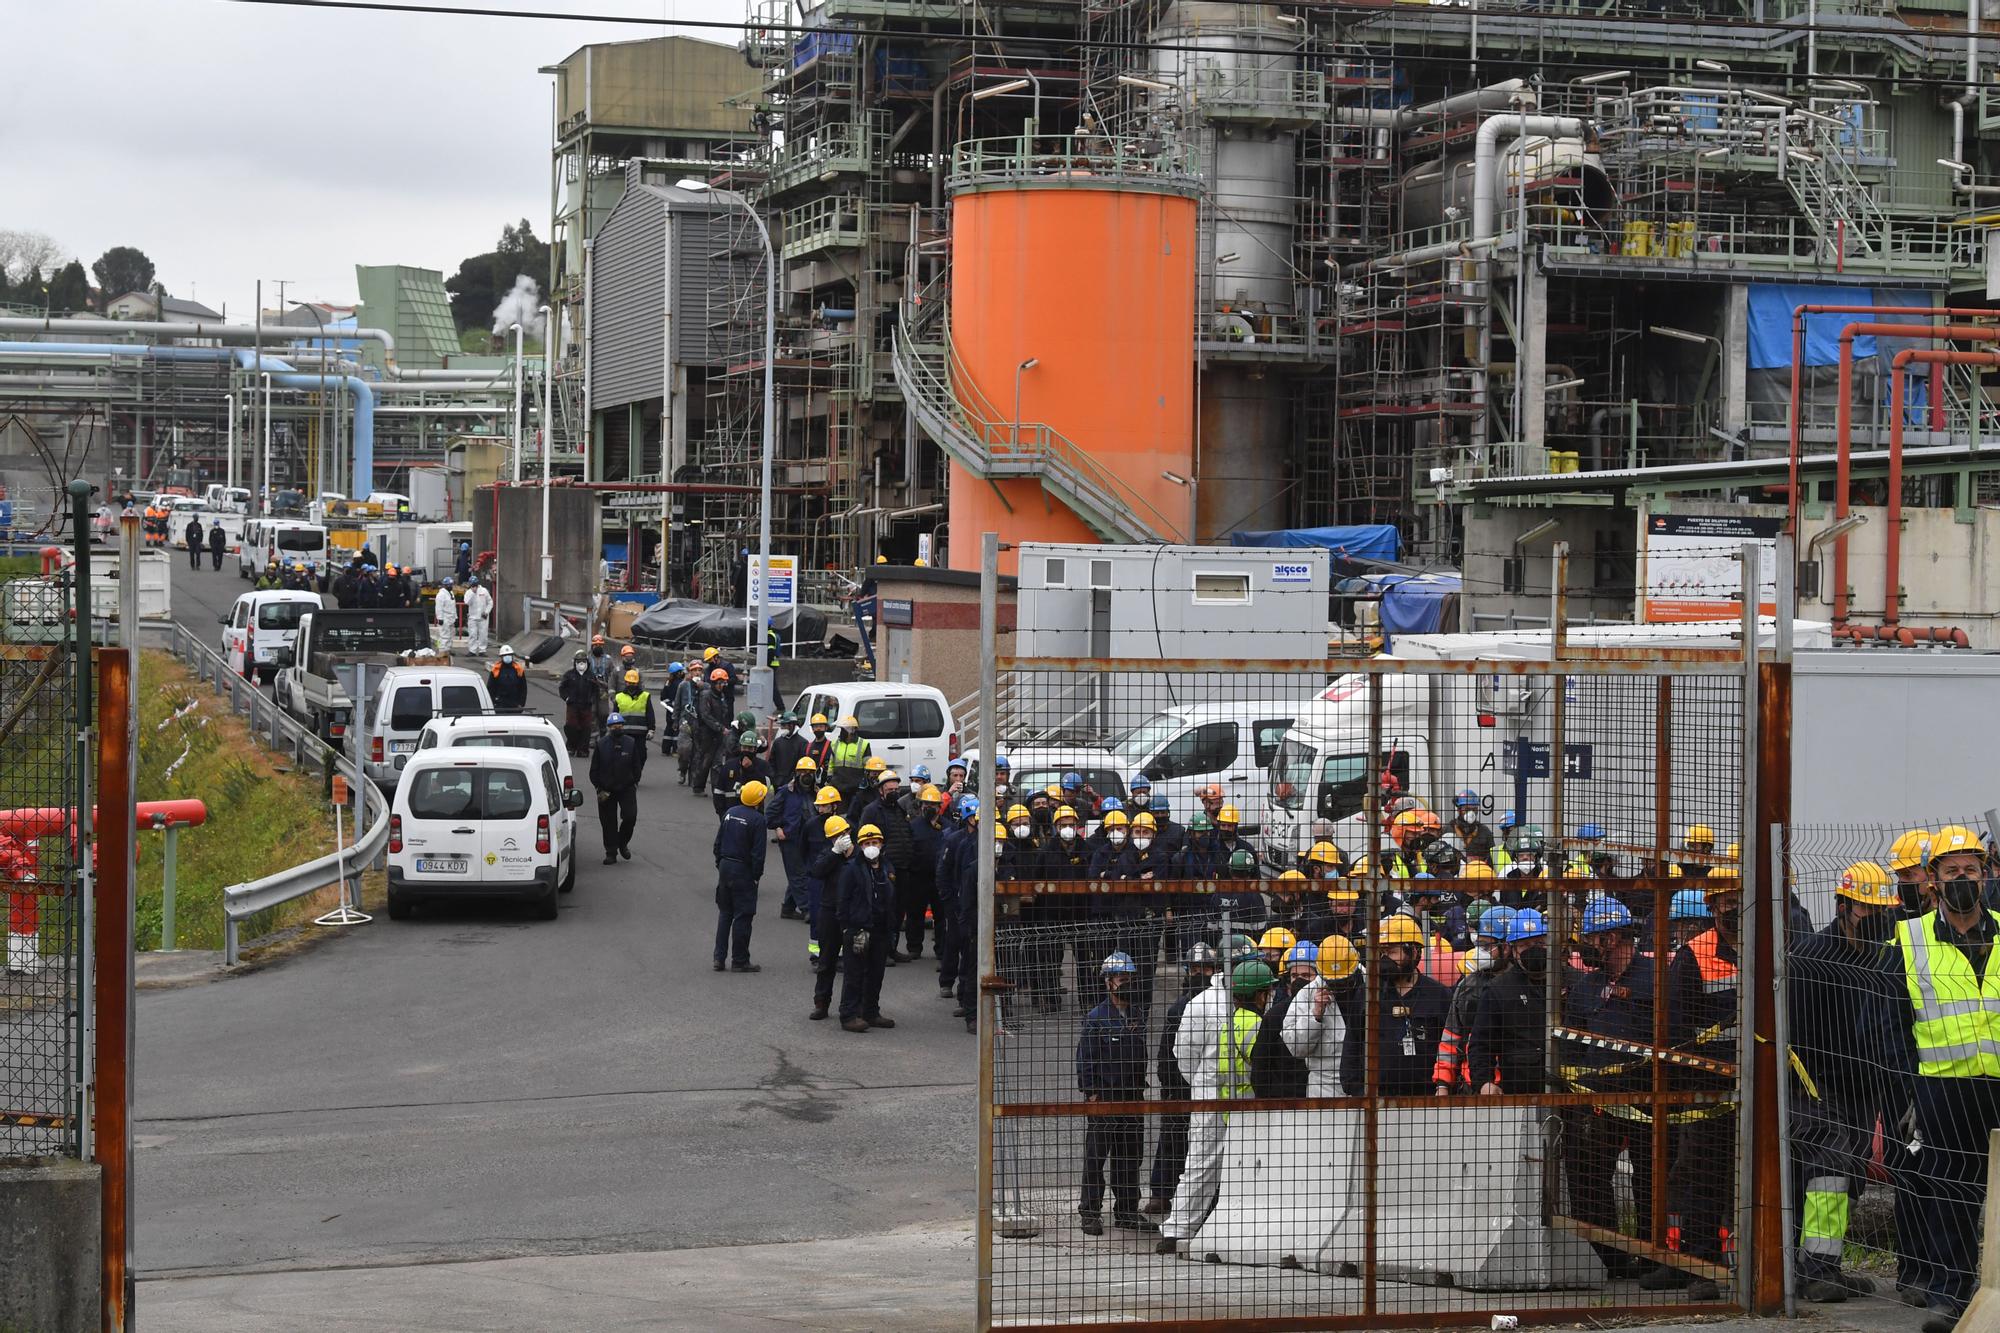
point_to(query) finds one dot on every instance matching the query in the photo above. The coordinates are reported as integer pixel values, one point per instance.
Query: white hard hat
(506, 650)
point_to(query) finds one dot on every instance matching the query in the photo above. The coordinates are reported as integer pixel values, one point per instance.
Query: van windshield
(1138, 745)
(1336, 784)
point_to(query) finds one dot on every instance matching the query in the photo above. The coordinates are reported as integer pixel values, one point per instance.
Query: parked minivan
(526, 731)
(406, 700)
(284, 540)
(1193, 745)
(481, 823)
(906, 724)
(260, 624)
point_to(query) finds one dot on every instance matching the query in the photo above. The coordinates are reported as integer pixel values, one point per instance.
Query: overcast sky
(235, 142)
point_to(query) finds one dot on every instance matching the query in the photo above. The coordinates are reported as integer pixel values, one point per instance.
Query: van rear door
(442, 828)
(507, 824)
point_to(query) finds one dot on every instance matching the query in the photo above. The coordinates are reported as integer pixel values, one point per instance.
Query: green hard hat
(1248, 978)
(749, 741)
(1241, 859)
(746, 720)
(1200, 823)
(1242, 948)
(789, 718)
(1531, 835)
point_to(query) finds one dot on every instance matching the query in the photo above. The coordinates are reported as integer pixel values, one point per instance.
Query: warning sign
(1692, 570)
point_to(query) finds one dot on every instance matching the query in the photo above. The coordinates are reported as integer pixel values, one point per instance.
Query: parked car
(906, 724)
(260, 625)
(405, 702)
(486, 823)
(1229, 745)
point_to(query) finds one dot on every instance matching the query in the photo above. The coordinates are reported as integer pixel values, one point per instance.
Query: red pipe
(1844, 424)
(48, 820)
(1893, 539)
(1799, 314)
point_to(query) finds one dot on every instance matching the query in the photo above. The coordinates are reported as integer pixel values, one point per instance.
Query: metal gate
(1421, 1113)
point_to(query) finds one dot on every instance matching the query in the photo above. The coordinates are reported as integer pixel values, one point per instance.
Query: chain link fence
(41, 779)
(1366, 993)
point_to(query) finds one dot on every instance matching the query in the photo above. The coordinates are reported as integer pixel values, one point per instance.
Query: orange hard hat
(718, 674)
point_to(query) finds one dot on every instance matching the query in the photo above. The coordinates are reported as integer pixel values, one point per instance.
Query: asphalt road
(475, 1085)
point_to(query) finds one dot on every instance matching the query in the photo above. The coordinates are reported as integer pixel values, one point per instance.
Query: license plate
(402, 747)
(441, 865)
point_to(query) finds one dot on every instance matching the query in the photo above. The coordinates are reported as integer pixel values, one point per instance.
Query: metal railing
(1076, 159)
(282, 733)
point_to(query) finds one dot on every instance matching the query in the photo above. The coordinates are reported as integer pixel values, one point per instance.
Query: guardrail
(282, 733)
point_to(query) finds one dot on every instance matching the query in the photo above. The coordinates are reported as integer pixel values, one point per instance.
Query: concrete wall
(517, 538)
(1950, 570)
(940, 647)
(49, 1227)
(1490, 532)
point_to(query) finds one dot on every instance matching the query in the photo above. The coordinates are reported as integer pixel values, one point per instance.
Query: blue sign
(1531, 759)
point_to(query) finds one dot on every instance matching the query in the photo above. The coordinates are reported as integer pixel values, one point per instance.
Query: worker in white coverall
(1195, 1046)
(478, 613)
(445, 607)
(1316, 1022)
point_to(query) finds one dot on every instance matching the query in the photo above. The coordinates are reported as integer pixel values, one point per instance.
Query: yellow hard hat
(1955, 838)
(827, 796)
(1324, 853)
(875, 764)
(1721, 879)
(1064, 812)
(1399, 929)
(1477, 870)
(1053, 791)
(847, 720)
(1227, 815)
(1337, 958)
(1298, 875)
(921, 563)
(1144, 819)
(1000, 832)
(1733, 850)
(1675, 872)
(1866, 882)
(835, 826)
(1360, 868)
(1343, 892)
(1699, 835)
(1112, 818)
(881, 559)
(930, 795)
(1277, 937)
(631, 678)
(710, 654)
(754, 792)
(869, 833)
(818, 720)
(1911, 850)
(1015, 812)
(805, 765)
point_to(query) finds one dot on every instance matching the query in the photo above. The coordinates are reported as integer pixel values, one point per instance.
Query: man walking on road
(739, 863)
(478, 611)
(195, 541)
(445, 608)
(217, 541)
(614, 771)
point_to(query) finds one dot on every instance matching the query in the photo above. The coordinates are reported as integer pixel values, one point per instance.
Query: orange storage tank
(1093, 281)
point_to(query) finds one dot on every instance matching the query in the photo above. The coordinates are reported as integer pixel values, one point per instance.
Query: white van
(525, 731)
(481, 823)
(906, 724)
(261, 623)
(285, 540)
(405, 702)
(1032, 768)
(1191, 746)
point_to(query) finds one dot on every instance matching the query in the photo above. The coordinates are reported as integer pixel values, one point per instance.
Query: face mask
(843, 844)
(1141, 799)
(1959, 895)
(1068, 833)
(1875, 929)
(1535, 958)
(1394, 968)
(1000, 790)
(873, 851)
(1019, 830)
(1116, 837)
(1141, 844)
(1482, 957)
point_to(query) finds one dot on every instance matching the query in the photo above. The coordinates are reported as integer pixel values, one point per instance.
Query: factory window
(1100, 573)
(1215, 589)
(1055, 574)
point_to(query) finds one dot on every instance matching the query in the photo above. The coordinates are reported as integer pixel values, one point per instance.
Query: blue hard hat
(675, 668)
(1688, 905)
(1423, 874)
(1591, 833)
(1465, 798)
(1493, 923)
(1000, 764)
(1072, 781)
(1605, 914)
(1140, 780)
(968, 806)
(1509, 820)
(1108, 804)
(1527, 925)
(1305, 951)
(1119, 962)
(921, 773)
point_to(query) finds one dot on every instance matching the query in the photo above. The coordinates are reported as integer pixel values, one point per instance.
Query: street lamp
(762, 691)
(1026, 365)
(517, 401)
(548, 445)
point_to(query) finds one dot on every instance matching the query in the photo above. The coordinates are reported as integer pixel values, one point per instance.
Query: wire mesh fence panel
(39, 1009)
(1894, 1056)
(1358, 993)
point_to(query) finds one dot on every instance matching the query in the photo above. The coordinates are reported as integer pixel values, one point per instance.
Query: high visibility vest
(632, 704)
(1956, 1013)
(1232, 1055)
(849, 754)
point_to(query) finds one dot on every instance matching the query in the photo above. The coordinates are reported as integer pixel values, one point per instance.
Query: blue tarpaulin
(1415, 603)
(1771, 306)
(1367, 541)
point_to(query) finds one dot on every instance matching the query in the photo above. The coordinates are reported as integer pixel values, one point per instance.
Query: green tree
(122, 269)
(70, 288)
(482, 280)
(29, 289)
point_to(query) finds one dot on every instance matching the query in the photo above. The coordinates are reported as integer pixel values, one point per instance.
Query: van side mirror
(222, 619)
(284, 655)
(572, 799)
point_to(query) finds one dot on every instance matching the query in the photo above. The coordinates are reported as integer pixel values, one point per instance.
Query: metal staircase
(992, 447)
(1831, 194)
